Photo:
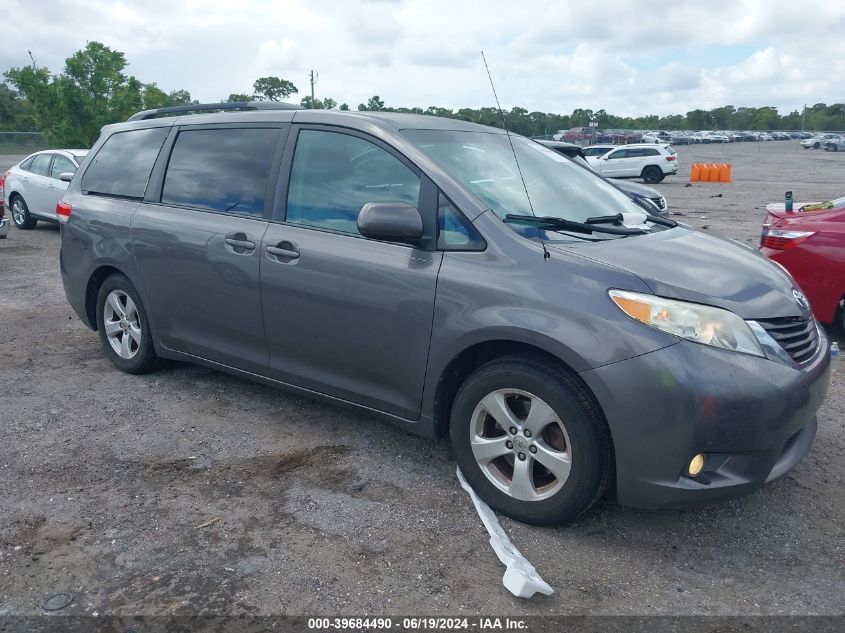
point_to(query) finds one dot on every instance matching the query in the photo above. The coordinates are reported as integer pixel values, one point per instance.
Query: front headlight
(703, 324)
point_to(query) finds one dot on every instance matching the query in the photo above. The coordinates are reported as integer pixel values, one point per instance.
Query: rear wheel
(123, 326)
(652, 174)
(816, 145)
(20, 214)
(530, 441)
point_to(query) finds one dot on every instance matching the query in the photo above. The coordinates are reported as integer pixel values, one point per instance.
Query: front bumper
(4, 227)
(753, 418)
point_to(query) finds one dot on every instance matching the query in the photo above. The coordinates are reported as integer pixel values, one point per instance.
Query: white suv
(650, 162)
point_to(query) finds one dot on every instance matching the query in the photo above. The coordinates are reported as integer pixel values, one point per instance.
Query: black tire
(143, 359)
(816, 146)
(652, 174)
(23, 220)
(589, 440)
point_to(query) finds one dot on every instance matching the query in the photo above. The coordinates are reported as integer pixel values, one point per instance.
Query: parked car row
(591, 135)
(829, 141)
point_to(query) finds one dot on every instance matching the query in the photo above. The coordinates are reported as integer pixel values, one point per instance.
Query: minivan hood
(681, 263)
(642, 190)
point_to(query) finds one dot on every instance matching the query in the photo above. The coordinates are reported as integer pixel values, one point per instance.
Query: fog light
(696, 465)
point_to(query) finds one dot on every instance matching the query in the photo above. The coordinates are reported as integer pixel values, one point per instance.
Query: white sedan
(32, 188)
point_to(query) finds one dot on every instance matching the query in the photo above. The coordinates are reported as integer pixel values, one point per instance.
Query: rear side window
(650, 152)
(123, 165)
(61, 165)
(27, 163)
(334, 175)
(41, 164)
(224, 170)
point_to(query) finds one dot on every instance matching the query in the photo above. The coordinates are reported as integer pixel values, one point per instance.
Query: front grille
(797, 335)
(659, 202)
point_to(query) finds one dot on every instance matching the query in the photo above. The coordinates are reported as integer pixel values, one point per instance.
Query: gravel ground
(189, 491)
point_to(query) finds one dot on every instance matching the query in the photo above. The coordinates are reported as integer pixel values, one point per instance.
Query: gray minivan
(460, 282)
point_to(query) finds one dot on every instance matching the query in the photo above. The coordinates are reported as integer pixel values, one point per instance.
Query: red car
(810, 243)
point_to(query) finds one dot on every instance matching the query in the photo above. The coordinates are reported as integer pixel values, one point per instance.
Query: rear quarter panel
(96, 235)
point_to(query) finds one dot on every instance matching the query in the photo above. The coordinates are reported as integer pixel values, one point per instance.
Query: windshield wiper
(618, 219)
(554, 223)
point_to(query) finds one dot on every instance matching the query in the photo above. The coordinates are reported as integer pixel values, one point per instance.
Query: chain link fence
(21, 143)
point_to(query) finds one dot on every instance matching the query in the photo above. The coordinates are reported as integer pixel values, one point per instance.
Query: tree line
(93, 90)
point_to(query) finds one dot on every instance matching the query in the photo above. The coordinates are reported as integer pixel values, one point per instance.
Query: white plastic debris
(520, 578)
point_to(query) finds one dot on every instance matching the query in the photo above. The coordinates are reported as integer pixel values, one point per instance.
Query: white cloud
(544, 56)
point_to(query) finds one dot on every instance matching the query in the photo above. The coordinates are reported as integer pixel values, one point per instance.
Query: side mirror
(66, 176)
(390, 222)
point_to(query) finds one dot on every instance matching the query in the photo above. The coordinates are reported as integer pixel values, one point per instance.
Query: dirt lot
(189, 491)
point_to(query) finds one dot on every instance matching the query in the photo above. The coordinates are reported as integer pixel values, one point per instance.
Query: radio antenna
(513, 150)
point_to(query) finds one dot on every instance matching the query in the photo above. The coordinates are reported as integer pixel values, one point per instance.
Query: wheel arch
(464, 363)
(92, 289)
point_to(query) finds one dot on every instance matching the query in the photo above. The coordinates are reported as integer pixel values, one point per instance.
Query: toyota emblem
(800, 299)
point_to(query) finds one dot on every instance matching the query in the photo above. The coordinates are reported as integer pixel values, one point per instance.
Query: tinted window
(61, 165)
(595, 151)
(334, 175)
(650, 152)
(454, 231)
(41, 164)
(620, 153)
(221, 169)
(122, 166)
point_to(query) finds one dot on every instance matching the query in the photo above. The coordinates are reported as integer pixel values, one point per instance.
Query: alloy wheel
(18, 212)
(122, 324)
(520, 444)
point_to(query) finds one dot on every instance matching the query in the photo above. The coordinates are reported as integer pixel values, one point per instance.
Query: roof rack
(211, 107)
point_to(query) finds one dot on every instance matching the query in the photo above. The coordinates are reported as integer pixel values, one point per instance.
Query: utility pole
(803, 114)
(314, 77)
(33, 60)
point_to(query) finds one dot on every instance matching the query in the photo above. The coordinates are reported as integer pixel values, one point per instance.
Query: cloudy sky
(628, 57)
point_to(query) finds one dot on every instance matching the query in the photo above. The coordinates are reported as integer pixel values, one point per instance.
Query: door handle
(285, 250)
(231, 241)
(240, 243)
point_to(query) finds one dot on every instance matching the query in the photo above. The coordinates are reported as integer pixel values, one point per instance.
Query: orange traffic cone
(694, 172)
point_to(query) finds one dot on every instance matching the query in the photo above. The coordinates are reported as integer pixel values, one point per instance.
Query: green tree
(237, 97)
(181, 97)
(70, 108)
(375, 104)
(344, 106)
(273, 89)
(15, 111)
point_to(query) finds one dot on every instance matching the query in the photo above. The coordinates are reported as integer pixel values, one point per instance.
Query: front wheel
(530, 441)
(21, 216)
(123, 326)
(652, 175)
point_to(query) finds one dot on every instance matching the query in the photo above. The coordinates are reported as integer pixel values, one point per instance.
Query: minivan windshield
(484, 162)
